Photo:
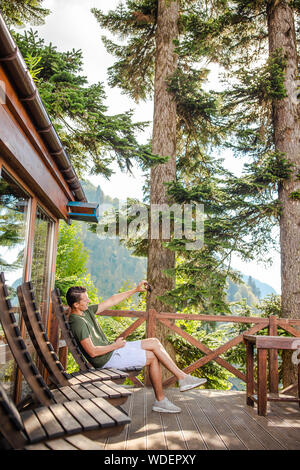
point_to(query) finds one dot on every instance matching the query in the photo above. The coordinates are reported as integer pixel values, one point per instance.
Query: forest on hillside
(112, 265)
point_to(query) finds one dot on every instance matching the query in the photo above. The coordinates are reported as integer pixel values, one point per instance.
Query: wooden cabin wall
(25, 157)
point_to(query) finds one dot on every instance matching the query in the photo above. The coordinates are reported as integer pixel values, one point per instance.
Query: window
(42, 261)
(14, 221)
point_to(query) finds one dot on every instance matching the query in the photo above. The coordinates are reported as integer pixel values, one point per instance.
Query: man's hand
(141, 287)
(117, 298)
(120, 343)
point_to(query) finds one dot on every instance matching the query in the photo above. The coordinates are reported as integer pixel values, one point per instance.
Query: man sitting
(121, 354)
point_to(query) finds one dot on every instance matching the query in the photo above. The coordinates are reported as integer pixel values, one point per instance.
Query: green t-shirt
(87, 326)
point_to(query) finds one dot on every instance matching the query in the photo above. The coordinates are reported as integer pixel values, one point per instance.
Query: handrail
(152, 317)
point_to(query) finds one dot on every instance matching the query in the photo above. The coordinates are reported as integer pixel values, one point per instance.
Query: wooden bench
(45, 350)
(84, 365)
(58, 427)
(113, 393)
(263, 344)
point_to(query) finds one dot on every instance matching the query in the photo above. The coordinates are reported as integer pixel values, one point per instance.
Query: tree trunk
(282, 36)
(164, 144)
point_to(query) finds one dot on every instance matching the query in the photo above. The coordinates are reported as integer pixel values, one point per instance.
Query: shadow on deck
(210, 420)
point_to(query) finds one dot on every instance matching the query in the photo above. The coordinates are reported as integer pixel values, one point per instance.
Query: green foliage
(32, 64)
(92, 137)
(239, 292)
(12, 225)
(271, 305)
(110, 263)
(274, 75)
(295, 195)
(133, 71)
(72, 365)
(71, 262)
(20, 12)
(240, 212)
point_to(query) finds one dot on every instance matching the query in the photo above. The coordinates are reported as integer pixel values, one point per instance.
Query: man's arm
(117, 298)
(94, 351)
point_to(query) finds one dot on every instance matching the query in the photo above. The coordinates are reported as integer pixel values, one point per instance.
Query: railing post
(273, 357)
(150, 333)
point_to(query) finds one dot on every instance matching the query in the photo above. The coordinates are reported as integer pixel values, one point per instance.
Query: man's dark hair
(74, 294)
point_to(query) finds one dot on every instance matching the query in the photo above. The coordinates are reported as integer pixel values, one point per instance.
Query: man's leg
(161, 404)
(155, 346)
(155, 374)
(186, 381)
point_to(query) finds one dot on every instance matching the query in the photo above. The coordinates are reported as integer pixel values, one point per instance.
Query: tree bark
(281, 29)
(164, 144)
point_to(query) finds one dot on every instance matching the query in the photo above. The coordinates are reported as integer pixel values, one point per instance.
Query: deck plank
(156, 438)
(189, 426)
(211, 438)
(136, 438)
(119, 441)
(244, 426)
(230, 439)
(252, 433)
(210, 419)
(277, 426)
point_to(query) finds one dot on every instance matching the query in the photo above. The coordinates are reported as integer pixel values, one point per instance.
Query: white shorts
(131, 355)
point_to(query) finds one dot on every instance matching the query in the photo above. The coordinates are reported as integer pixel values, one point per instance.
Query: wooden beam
(288, 328)
(123, 313)
(131, 328)
(202, 347)
(217, 352)
(211, 318)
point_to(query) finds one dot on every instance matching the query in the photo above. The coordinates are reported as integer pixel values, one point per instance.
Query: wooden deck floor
(210, 420)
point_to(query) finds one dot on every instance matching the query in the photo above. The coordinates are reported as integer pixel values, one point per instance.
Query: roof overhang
(28, 94)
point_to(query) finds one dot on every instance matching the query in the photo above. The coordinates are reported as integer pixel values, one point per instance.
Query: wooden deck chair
(84, 365)
(45, 351)
(112, 393)
(56, 427)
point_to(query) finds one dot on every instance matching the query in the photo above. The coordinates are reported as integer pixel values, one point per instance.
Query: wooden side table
(263, 344)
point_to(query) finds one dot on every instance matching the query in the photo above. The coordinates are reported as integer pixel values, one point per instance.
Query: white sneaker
(165, 406)
(190, 382)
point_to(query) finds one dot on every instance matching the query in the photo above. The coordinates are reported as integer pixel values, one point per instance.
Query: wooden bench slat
(66, 393)
(100, 374)
(118, 416)
(118, 388)
(83, 443)
(113, 373)
(65, 418)
(39, 446)
(49, 423)
(85, 419)
(33, 427)
(58, 396)
(82, 392)
(96, 389)
(110, 391)
(102, 418)
(60, 444)
(80, 376)
(74, 381)
(91, 376)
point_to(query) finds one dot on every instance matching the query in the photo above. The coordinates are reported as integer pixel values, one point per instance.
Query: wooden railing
(152, 318)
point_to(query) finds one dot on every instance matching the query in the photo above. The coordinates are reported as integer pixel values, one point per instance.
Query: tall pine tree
(149, 60)
(256, 42)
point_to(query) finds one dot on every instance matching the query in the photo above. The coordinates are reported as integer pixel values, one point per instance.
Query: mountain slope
(111, 264)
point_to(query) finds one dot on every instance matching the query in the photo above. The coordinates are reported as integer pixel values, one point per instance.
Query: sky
(72, 25)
